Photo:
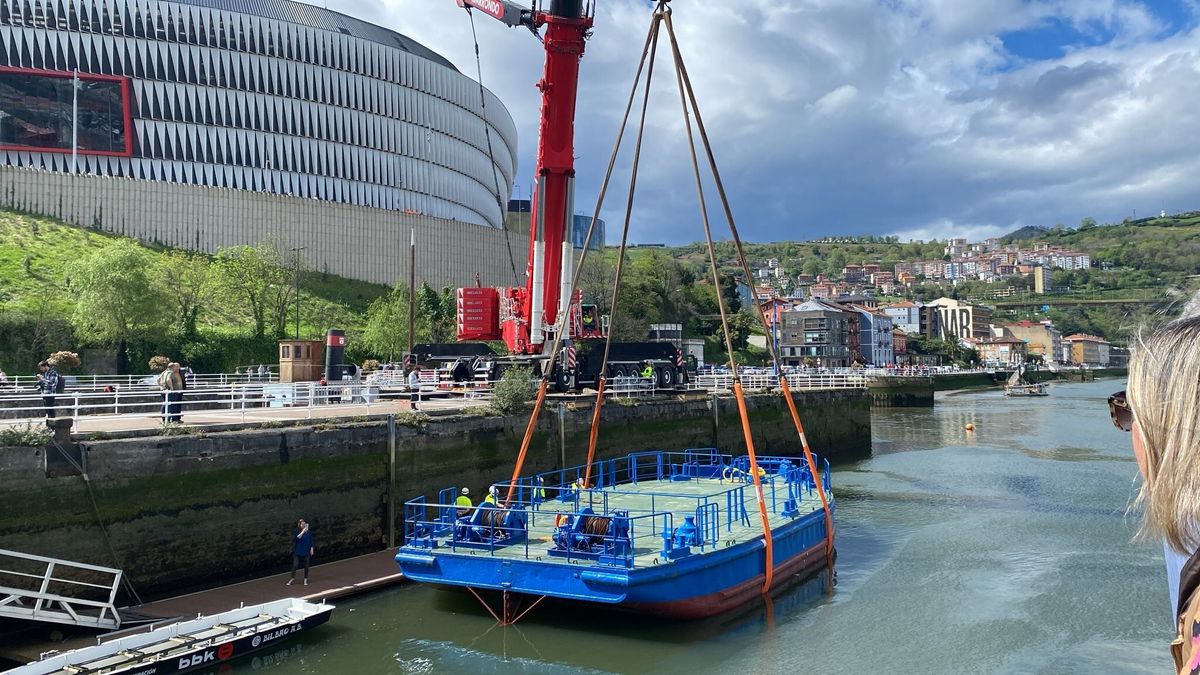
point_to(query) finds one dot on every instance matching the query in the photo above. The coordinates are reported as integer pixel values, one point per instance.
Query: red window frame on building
(126, 111)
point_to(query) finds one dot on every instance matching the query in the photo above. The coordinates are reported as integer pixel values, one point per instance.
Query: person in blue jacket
(302, 549)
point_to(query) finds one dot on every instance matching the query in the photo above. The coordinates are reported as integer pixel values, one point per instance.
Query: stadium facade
(206, 123)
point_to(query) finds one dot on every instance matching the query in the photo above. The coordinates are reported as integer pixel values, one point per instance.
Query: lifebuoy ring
(560, 520)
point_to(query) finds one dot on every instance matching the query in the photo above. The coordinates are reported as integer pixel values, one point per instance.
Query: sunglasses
(1122, 414)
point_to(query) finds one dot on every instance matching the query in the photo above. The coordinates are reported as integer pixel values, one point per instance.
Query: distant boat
(1019, 385)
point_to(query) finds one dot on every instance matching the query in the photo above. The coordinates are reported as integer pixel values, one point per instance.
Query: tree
(440, 311)
(118, 294)
(185, 277)
(729, 291)
(255, 279)
(386, 332)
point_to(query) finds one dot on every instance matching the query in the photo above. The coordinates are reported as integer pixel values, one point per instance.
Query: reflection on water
(1002, 550)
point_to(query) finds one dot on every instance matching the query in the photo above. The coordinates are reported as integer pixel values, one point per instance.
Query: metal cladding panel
(295, 97)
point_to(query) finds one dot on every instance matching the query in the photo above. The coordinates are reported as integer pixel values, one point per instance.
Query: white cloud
(856, 116)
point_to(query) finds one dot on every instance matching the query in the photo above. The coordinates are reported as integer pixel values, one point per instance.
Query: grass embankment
(36, 302)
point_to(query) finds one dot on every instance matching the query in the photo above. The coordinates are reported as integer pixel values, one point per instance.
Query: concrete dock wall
(187, 511)
(901, 392)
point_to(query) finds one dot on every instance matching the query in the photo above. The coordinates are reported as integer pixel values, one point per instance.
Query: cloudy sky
(919, 118)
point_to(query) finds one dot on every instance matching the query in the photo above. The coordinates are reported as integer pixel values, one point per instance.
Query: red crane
(525, 317)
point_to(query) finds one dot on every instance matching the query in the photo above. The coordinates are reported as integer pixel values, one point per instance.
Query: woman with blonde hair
(1162, 410)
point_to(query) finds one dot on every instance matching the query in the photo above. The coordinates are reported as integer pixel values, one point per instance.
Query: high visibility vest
(539, 493)
(463, 501)
(648, 372)
(489, 500)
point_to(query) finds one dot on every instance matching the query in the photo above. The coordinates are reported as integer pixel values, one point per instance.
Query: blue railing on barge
(623, 532)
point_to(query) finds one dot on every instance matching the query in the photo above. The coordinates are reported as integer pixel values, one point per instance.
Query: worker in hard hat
(464, 503)
(493, 495)
(539, 491)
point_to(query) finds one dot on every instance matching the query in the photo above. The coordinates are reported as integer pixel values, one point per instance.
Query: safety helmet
(466, 491)
(494, 491)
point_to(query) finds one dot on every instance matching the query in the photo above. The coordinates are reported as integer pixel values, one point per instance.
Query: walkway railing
(239, 401)
(17, 383)
(36, 588)
(154, 404)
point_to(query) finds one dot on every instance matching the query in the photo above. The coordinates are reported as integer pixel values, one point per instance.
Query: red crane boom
(527, 315)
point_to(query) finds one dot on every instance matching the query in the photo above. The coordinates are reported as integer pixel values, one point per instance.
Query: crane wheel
(666, 377)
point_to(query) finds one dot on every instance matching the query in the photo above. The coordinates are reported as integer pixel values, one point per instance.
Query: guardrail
(243, 399)
(37, 588)
(144, 381)
(155, 404)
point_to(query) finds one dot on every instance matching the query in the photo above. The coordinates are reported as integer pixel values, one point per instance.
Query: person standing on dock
(302, 550)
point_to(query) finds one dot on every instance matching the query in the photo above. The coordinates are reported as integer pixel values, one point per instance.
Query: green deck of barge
(680, 498)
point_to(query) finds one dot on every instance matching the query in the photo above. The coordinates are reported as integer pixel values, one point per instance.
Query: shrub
(410, 418)
(370, 365)
(175, 429)
(27, 436)
(513, 391)
(64, 360)
(158, 363)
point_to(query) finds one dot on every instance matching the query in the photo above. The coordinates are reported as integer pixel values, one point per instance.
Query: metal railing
(240, 400)
(37, 588)
(766, 382)
(546, 500)
(17, 383)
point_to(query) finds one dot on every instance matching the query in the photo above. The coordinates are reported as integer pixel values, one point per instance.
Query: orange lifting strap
(685, 85)
(662, 16)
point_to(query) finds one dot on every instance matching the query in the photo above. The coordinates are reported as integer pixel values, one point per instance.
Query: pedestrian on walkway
(302, 550)
(49, 383)
(171, 382)
(414, 386)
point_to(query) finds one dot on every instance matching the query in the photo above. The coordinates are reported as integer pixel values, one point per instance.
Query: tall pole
(296, 253)
(412, 286)
(75, 121)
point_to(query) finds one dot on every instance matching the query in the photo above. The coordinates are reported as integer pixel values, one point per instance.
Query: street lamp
(296, 252)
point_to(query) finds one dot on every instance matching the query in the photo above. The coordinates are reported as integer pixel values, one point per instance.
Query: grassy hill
(36, 304)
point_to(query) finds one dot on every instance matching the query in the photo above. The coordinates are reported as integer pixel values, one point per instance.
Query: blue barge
(675, 534)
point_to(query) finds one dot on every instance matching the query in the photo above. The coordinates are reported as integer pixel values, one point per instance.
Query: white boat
(182, 646)
(1019, 385)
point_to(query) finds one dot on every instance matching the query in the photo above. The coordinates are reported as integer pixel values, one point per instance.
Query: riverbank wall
(954, 381)
(183, 512)
(901, 392)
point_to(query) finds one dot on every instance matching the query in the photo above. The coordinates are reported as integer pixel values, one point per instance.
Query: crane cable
(487, 132)
(769, 566)
(593, 436)
(587, 242)
(686, 84)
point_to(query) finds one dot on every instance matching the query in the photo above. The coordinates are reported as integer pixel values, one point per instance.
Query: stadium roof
(316, 17)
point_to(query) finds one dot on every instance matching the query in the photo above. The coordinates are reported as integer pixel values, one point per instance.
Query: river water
(1005, 550)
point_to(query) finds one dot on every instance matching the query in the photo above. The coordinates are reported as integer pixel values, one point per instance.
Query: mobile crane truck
(525, 317)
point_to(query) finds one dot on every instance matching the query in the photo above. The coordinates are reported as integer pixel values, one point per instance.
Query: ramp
(36, 588)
